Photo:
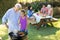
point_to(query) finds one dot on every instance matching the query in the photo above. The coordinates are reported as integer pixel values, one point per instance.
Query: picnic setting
(29, 19)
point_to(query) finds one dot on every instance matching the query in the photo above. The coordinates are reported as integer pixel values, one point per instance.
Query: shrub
(5, 5)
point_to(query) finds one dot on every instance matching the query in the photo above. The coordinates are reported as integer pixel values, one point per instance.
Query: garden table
(44, 20)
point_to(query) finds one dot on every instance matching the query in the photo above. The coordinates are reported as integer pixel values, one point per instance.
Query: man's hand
(6, 25)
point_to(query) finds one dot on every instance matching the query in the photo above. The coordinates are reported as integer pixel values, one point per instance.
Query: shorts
(25, 31)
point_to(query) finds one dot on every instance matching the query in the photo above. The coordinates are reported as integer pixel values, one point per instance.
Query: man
(44, 10)
(12, 16)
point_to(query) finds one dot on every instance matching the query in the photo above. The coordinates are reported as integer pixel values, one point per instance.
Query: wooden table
(45, 21)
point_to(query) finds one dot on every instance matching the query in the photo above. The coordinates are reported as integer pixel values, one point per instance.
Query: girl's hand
(19, 26)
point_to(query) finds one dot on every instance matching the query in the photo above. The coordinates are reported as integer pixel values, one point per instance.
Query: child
(30, 12)
(23, 22)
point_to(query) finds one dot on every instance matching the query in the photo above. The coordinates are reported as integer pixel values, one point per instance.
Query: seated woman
(50, 11)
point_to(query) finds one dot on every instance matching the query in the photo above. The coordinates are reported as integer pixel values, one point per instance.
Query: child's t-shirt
(29, 13)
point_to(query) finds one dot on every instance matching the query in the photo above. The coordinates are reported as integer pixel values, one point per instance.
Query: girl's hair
(23, 12)
(29, 7)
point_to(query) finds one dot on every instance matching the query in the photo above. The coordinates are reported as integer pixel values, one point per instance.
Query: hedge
(5, 5)
(37, 5)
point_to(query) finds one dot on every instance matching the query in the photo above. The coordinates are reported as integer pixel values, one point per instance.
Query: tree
(5, 5)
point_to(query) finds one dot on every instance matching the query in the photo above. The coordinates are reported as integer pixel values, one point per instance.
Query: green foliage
(0, 0)
(36, 6)
(56, 11)
(55, 4)
(5, 5)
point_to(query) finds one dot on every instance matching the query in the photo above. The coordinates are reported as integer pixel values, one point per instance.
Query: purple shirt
(23, 23)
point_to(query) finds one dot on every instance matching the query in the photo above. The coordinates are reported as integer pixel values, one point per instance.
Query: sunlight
(52, 37)
(3, 30)
(39, 36)
(2, 27)
(57, 25)
(2, 33)
(58, 33)
(46, 37)
(29, 1)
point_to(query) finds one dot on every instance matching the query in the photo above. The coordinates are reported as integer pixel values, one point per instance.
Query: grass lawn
(48, 33)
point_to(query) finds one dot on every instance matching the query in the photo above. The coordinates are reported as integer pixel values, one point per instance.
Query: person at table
(30, 12)
(44, 10)
(50, 11)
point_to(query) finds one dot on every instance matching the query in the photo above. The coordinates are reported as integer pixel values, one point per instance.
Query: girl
(30, 12)
(23, 22)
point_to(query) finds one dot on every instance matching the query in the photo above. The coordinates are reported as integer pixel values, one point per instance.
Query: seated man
(44, 10)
